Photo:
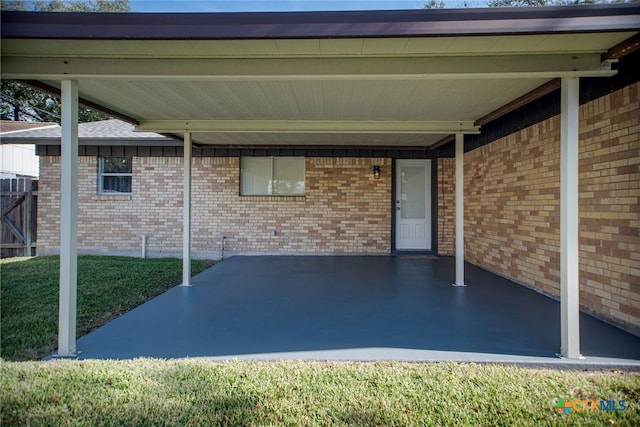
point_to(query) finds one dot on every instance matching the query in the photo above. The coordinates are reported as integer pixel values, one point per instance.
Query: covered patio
(412, 81)
(352, 308)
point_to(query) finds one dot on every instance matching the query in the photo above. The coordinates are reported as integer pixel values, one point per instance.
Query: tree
(69, 6)
(440, 4)
(22, 102)
(520, 3)
(12, 5)
(433, 4)
(83, 6)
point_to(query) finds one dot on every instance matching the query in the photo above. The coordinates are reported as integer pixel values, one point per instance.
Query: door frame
(433, 203)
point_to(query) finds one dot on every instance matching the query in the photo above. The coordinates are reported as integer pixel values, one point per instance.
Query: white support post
(459, 210)
(68, 220)
(569, 247)
(186, 229)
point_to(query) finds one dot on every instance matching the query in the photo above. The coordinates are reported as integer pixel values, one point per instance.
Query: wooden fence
(19, 203)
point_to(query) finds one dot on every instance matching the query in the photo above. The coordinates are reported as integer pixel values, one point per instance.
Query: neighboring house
(297, 156)
(19, 160)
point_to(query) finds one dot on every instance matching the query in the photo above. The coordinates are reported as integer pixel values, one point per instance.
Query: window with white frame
(115, 175)
(272, 176)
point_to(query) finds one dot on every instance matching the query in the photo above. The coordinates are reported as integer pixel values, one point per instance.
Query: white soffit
(426, 80)
(306, 100)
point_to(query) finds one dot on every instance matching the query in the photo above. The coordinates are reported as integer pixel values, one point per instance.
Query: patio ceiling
(283, 86)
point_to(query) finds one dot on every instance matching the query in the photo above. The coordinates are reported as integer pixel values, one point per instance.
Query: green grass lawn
(200, 392)
(107, 288)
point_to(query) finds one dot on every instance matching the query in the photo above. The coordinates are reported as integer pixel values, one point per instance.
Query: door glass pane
(412, 192)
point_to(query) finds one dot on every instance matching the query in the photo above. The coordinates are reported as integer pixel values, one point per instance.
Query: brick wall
(446, 206)
(512, 207)
(610, 205)
(344, 210)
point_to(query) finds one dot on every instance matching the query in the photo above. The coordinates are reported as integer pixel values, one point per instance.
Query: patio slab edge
(367, 355)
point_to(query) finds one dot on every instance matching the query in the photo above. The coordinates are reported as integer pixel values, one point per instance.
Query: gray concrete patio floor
(353, 308)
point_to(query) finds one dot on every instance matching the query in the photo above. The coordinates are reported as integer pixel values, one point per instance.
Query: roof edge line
(338, 24)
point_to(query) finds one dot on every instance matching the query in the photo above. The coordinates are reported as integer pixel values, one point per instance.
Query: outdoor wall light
(376, 172)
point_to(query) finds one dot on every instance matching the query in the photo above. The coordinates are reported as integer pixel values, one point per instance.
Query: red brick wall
(344, 210)
(512, 207)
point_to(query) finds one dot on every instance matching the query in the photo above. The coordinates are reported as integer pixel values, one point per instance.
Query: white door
(413, 204)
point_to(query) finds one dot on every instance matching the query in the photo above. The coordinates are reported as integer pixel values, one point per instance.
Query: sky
(280, 5)
(172, 6)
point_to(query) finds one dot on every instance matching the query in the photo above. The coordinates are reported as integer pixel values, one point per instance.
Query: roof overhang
(390, 78)
(321, 25)
(12, 128)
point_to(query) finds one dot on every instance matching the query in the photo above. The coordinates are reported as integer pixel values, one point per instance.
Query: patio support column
(186, 213)
(459, 210)
(68, 220)
(569, 249)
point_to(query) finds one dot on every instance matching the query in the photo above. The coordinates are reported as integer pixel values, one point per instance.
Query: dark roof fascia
(216, 151)
(288, 25)
(622, 49)
(143, 142)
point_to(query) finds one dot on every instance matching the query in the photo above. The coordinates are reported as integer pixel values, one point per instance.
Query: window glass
(271, 176)
(288, 175)
(115, 175)
(116, 165)
(255, 176)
